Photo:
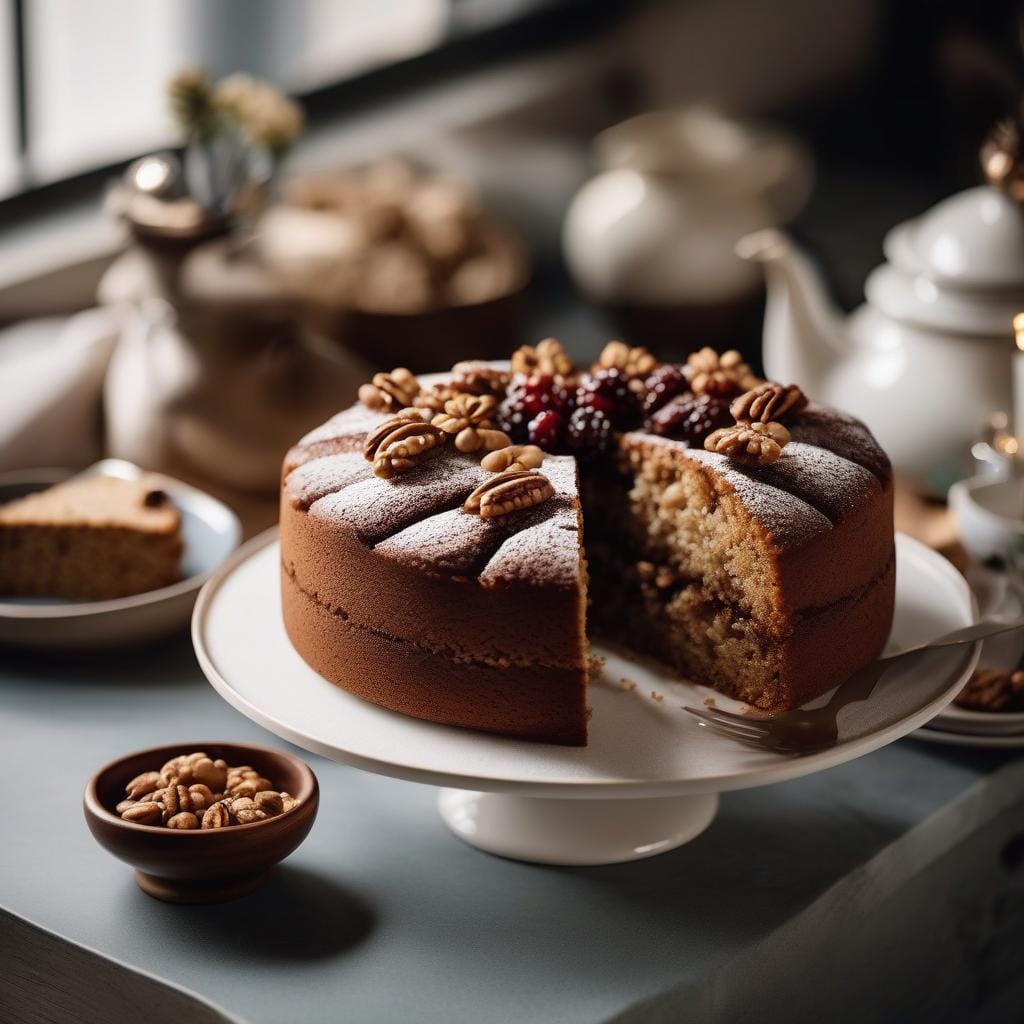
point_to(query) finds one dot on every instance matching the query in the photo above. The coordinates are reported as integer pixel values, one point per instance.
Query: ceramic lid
(917, 299)
(974, 239)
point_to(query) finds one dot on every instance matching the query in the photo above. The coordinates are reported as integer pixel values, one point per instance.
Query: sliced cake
(433, 560)
(92, 538)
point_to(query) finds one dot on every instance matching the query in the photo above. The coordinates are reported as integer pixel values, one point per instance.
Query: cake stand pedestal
(548, 830)
(649, 778)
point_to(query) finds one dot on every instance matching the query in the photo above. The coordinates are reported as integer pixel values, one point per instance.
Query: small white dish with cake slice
(110, 556)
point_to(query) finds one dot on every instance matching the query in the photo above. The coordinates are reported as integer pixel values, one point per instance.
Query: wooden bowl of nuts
(202, 822)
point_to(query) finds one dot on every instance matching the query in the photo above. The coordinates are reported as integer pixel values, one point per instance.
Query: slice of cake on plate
(448, 544)
(90, 539)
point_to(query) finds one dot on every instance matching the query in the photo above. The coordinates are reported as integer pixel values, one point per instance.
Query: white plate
(211, 532)
(930, 734)
(638, 747)
(998, 597)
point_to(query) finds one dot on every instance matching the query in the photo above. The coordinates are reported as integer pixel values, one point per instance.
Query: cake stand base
(547, 830)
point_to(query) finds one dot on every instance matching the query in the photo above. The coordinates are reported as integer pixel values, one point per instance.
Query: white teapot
(927, 359)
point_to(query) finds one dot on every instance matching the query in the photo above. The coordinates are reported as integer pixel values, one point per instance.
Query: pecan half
(467, 418)
(548, 358)
(183, 819)
(433, 398)
(399, 444)
(768, 402)
(141, 784)
(475, 377)
(217, 816)
(634, 361)
(514, 456)
(148, 813)
(723, 375)
(756, 444)
(509, 492)
(389, 391)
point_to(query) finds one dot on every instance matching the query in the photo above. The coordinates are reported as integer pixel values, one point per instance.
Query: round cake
(436, 562)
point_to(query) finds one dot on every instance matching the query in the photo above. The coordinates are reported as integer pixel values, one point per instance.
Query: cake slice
(92, 538)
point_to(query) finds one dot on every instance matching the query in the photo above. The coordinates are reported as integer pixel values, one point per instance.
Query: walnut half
(755, 444)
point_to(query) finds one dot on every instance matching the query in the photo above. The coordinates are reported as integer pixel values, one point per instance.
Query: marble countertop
(902, 871)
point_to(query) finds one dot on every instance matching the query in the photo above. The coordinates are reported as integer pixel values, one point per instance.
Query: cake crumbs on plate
(710, 702)
(627, 684)
(659, 697)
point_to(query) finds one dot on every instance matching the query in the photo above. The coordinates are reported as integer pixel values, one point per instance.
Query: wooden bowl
(202, 866)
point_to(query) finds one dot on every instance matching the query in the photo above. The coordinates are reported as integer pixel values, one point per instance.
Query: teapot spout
(804, 337)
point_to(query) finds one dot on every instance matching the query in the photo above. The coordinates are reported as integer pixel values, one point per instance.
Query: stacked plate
(997, 596)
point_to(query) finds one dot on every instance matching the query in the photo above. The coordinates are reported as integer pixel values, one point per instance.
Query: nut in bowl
(202, 822)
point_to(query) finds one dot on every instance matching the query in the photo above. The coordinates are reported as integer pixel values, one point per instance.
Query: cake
(436, 562)
(91, 538)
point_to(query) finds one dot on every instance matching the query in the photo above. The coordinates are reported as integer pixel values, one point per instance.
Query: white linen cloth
(51, 385)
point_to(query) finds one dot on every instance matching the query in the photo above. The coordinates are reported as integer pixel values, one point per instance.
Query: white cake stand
(650, 777)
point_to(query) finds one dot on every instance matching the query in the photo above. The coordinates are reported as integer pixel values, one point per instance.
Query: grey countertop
(892, 884)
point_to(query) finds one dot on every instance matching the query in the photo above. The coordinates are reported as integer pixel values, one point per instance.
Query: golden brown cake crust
(92, 538)
(391, 591)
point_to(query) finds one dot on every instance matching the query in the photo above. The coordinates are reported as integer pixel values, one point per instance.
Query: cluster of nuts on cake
(196, 791)
(543, 404)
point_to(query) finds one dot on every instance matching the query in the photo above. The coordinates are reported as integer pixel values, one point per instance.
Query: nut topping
(399, 444)
(217, 816)
(141, 784)
(148, 813)
(185, 819)
(514, 457)
(467, 417)
(390, 391)
(242, 795)
(509, 492)
(475, 377)
(755, 444)
(634, 361)
(725, 374)
(768, 402)
(433, 398)
(548, 358)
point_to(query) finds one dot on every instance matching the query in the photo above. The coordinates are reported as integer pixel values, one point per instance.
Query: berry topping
(664, 384)
(528, 397)
(545, 430)
(607, 391)
(590, 431)
(692, 418)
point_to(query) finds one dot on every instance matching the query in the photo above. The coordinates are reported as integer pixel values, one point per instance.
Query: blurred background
(465, 176)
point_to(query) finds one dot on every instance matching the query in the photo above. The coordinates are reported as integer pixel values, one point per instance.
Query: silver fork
(805, 732)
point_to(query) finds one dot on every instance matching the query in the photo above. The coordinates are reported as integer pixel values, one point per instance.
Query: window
(84, 85)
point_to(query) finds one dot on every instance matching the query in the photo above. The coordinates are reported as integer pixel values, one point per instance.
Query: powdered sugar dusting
(832, 484)
(543, 555)
(451, 542)
(378, 508)
(455, 542)
(319, 477)
(356, 419)
(790, 520)
(843, 435)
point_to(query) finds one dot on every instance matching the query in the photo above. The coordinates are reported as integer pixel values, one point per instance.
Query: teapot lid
(974, 239)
